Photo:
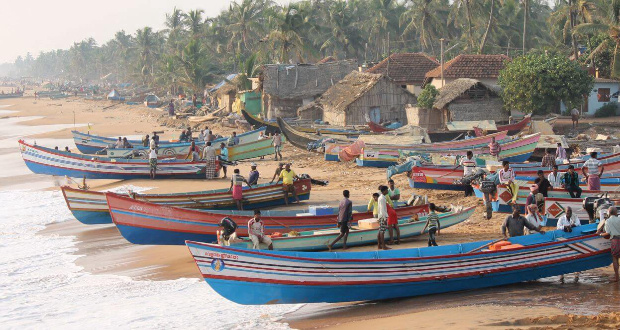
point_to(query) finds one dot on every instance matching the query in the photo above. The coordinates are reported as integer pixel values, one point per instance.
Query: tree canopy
(536, 83)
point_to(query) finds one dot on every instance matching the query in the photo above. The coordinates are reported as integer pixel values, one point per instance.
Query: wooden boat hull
(48, 161)
(278, 277)
(247, 150)
(91, 207)
(318, 240)
(91, 144)
(515, 151)
(147, 223)
(10, 96)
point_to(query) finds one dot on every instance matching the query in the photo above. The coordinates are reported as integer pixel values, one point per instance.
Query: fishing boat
(253, 277)
(90, 207)
(517, 150)
(11, 95)
(556, 202)
(141, 222)
(92, 144)
(446, 136)
(320, 129)
(249, 149)
(318, 240)
(41, 160)
(442, 177)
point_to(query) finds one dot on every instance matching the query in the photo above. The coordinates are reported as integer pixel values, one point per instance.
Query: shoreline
(102, 250)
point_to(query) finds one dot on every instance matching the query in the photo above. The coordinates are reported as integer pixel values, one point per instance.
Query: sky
(42, 25)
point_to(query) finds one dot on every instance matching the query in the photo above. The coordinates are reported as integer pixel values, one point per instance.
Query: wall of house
(274, 107)
(477, 109)
(314, 113)
(390, 98)
(430, 119)
(593, 102)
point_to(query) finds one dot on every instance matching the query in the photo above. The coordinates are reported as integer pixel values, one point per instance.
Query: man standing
(146, 140)
(382, 214)
(612, 230)
(223, 158)
(570, 182)
(171, 108)
(516, 223)
(209, 154)
(253, 178)
(228, 232)
(288, 177)
(469, 167)
(256, 231)
(236, 186)
(276, 174)
(393, 192)
(574, 115)
(277, 145)
(153, 163)
(495, 148)
(548, 159)
(555, 178)
(592, 173)
(345, 216)
(156, 139)
(433, 225)
(560, 153)
(568, 221)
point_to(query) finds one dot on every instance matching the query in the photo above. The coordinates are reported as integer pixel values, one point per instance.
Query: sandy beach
(100, 250)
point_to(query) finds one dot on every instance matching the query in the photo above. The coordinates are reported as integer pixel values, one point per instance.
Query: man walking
(433, 225)
(345, 216)
(277, 145)
(382, 214)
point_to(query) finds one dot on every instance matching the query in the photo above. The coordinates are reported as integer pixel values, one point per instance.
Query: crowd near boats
(576, 194)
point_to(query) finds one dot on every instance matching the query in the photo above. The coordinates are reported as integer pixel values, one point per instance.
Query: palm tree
(343, 35)
(288, 23)
(425, 18)
(456, 16)
(174, 28)
(607, 21)
(197, 67)
(194, 23)
(247, 20)
(146, 46)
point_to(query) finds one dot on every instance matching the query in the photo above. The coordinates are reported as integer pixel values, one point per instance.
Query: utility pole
(387, 72)
(441, 57)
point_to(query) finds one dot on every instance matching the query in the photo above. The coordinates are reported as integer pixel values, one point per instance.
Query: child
(432, 222)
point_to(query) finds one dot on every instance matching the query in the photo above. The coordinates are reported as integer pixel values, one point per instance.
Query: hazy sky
(42, 25)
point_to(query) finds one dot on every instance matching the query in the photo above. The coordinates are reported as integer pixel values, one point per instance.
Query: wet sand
(104, 251)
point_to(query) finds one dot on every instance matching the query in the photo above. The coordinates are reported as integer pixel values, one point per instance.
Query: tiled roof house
(484, 68)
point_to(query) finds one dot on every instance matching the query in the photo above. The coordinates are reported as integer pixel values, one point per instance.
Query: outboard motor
(487, 185)
(596, 207)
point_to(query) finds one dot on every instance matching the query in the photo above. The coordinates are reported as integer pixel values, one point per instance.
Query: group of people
(122, 143)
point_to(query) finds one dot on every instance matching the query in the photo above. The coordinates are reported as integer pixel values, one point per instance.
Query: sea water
(42, 287)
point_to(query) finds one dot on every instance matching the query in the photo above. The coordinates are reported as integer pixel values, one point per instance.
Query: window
(604, 95)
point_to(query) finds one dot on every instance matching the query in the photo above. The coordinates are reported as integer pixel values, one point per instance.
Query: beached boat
(517, 150)
(318, 240)
(91, 144)
(11, 95)
(247, 150)
(321, 129)
(90, 207)
(442, 177)
(279, 277)
(41, 160)
(142, 222)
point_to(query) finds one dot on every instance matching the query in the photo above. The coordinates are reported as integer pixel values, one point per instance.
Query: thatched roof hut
(357, 97)
(469, 99)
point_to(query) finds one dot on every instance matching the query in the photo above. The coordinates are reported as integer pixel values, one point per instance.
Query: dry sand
(103, 250)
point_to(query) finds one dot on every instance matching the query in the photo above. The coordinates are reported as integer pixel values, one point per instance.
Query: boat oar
(486, 245)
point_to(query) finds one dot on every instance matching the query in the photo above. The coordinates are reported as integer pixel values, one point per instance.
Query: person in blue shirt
(254, 174)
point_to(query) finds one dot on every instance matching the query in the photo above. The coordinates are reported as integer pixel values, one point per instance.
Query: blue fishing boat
(253, 277)
(92, 144)
(41, 160)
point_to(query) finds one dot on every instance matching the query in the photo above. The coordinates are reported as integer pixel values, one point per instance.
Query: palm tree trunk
(572, 17)
(470, 40)
(615, 67)
(486, 32)
(525, 12)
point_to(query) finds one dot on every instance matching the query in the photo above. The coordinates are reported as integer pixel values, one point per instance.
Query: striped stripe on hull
(257, 277)
(91, 207)
(140, 215)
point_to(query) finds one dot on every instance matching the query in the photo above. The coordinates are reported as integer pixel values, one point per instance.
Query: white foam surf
(41, 287)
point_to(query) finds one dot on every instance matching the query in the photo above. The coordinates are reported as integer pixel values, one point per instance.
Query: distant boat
(90, 207)
(253, 277)
(322, 129)
(11, 95)
(41, 160)
(318, 240)
(91, 144)
(141, 222)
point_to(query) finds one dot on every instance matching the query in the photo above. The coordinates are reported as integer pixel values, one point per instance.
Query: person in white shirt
(382, 214)
(534, 217)
(568, 221)
(469, 167)
(555, 178)
(507, 177)
(593, 170)
(153, 163)
(256, 231)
